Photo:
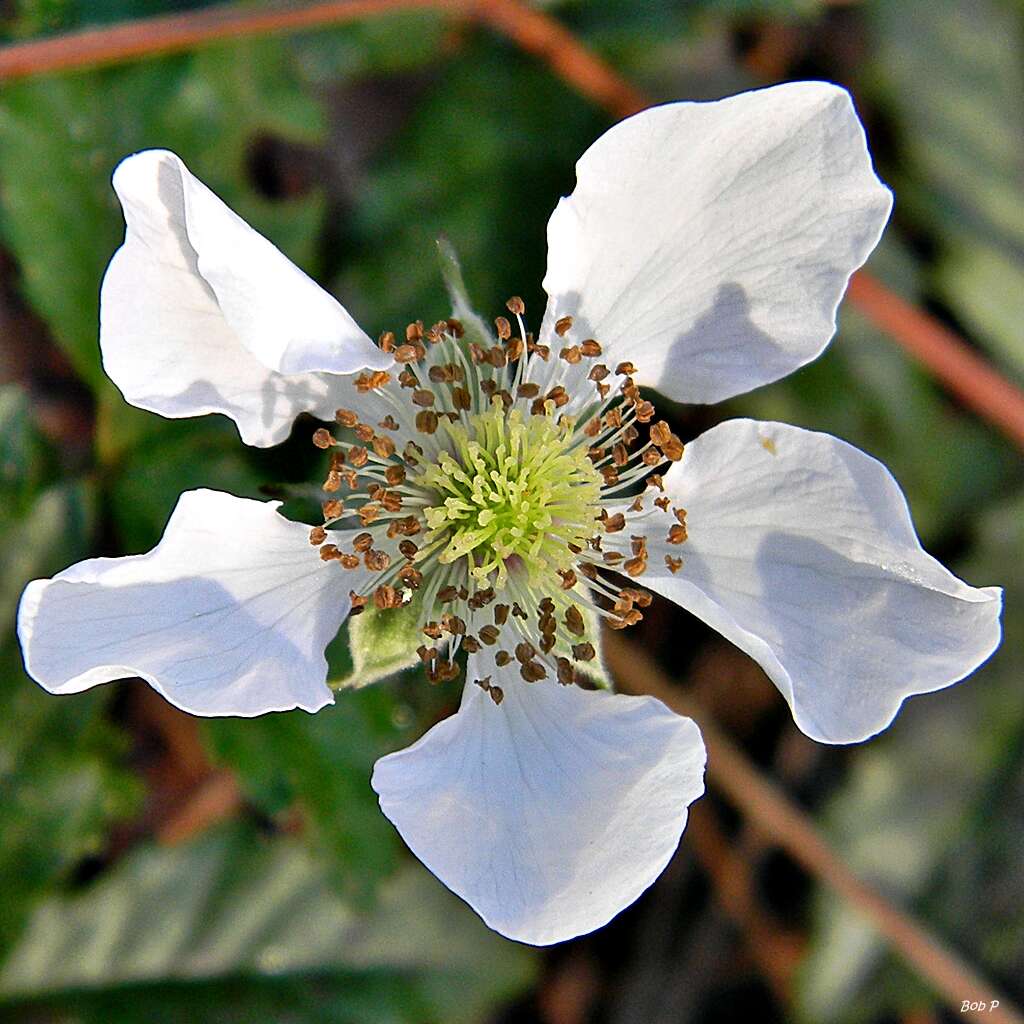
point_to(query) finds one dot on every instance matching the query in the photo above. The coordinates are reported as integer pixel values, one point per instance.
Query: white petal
(228, 615)
(199, 313)
(550, 812)
(710, 243)
(802, 552)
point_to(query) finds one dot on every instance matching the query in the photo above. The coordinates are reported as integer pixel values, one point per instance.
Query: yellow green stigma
(513, 489)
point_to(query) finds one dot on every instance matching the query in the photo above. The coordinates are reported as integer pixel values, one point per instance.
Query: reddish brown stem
(770, 810)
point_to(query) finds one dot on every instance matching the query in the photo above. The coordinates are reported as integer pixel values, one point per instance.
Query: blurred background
(160, 868)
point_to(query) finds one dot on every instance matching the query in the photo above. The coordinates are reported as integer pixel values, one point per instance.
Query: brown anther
(584, 652)
(566, 673)
(516, 306)
(489, 387)
(446, 594)
(612, 524)
(563, 325)
(613, 419)
(525, 652)
(433, 630)
(358, 456)
(547, 625)
(386, 597)
(332, 509)
(514, 350)
(376, 561)
(408, 379)
(384, 446)
(408, 549)
(376, 491)
(527, 391)
(349, 561)
(470, 643)
(620, 454)
(625, 369)
(358, 602)
(592, 428)
(414, 331)
(662, 502)
(590, 348)
(656, 480)
(346, 417)
(332, 483)
(630, 434)
(405, 354)
(426, 654)
(587, 569)
(559, 396)
(502, 658)
(610, 474)
(642, 597)
(453, 624)
(392, 501)
(364, 432)
(651, 457)
(674, 449)
(337, 461)
(329, 551)
(501, 614)
(368, 513)
(437, 331)
(544, 351)
(533, 672)
(322, 438)
(574, 620)
(598, 373)
(644, 411)
(661, 433)
(636, 566)
(363, 542)
(569, 579)
(387, 341)
(489, 635)
(547, 642)
(426, 421)
(423, 398)
(638, 545)
(455, 327)
(476, 353)
(317, 535)
(571, 354)
(546, 606)
(367, 382)
(517, 611)
(612, 557)
(395, 475)
(496, 357)
(503, 327)
(496, 693)
(677, 534)
(674, 564)
(602, 390)
(637, 505)
(461, 399)
(447, 671)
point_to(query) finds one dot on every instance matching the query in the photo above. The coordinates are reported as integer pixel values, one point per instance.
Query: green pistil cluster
(512, 489)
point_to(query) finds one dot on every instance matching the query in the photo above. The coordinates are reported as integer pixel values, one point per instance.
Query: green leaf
(235, 905)
(954, 73)
(323, 762)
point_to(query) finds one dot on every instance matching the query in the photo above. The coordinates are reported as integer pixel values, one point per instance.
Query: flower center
(512, 489)
(500, 479)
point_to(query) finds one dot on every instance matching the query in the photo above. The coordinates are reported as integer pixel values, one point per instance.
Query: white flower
(703, 253)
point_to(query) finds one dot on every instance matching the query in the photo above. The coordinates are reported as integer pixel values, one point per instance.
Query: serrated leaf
(233, 905)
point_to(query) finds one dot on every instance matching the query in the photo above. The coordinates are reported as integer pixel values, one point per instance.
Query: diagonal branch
(950, 359)
(733, 775)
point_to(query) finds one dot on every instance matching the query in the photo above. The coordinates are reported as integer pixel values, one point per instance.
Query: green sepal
(382, 643)
(596, 670)
(451, 271)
